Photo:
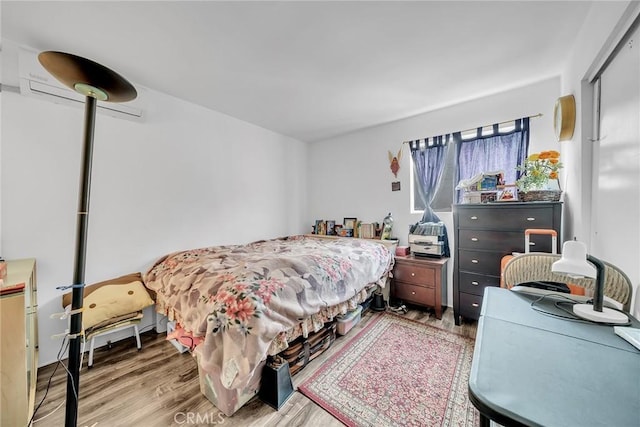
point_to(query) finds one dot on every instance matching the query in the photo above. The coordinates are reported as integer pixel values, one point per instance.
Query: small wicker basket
(540, 196)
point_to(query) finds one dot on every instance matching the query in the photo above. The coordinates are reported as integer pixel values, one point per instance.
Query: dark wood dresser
(484, 233)
(421, 281)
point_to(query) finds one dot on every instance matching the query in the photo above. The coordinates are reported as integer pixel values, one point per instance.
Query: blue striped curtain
(428, 160)
(498, 151)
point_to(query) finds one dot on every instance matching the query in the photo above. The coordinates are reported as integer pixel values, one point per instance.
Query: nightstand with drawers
(421, 281)
(484, 233)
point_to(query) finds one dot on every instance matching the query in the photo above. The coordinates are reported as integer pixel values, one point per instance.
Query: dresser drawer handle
(531, 218)
(475, 261)
(475, 304)
(413, 274)
(474, 217)
(474, 283)
(413, 292)
(532, 243)
(474, 239)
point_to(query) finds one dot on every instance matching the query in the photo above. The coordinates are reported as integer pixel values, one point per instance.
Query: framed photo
(487, 196)
(321, 227)
(508, 195)
(331, 225)
(350, 223)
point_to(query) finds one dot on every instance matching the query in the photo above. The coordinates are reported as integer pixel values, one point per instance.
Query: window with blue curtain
(492, 150)
(439, 163)
(429, 159)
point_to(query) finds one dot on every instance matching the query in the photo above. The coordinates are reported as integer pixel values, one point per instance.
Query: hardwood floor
(158, 386)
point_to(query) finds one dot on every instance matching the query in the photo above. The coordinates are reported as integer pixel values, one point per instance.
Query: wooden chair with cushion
(532, 267)
(112, 306)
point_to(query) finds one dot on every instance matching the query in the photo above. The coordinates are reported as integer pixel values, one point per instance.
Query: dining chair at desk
(536, 266)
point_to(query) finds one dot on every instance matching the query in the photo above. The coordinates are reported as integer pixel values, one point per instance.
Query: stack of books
(368, 231)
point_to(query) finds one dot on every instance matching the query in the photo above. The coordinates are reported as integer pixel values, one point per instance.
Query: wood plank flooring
(158, 386)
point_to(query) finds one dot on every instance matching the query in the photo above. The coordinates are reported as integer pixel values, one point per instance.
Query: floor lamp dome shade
(87, 77)
(96, 83)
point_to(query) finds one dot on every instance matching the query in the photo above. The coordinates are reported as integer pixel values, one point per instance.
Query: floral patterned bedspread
(249, 300)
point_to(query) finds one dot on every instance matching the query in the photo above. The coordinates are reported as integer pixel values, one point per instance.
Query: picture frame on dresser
(483, 235)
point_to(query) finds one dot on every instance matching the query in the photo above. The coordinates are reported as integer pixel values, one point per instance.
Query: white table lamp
(574, 264)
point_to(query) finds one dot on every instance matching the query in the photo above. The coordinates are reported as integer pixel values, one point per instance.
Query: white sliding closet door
(616, 196)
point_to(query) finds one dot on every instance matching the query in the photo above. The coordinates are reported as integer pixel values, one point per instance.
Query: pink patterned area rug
(397, 372)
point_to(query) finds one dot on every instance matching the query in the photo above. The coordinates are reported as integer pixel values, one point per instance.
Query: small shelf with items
(352, 227)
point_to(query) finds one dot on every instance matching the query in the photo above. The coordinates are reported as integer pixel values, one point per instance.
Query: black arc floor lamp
(97, 83)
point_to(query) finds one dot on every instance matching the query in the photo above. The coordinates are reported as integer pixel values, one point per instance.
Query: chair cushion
(113, 324)
(111, 299)
(114, 321)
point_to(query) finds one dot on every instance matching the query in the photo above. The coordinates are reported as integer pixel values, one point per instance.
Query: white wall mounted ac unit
(36, 82)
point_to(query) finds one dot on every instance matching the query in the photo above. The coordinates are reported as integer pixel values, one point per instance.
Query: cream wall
(605, 24)
(187, 177)
(349, 176)
(596, 35)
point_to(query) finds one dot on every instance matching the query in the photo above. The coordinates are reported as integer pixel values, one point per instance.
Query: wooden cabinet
(484, 233)
(421, 281)
(18, 343)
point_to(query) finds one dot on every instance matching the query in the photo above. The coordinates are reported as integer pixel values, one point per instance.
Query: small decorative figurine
(395, 162)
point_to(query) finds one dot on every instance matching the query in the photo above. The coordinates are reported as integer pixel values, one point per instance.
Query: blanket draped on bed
(248, 300)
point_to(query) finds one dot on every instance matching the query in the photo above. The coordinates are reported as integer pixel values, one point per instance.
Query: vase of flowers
(538, 169)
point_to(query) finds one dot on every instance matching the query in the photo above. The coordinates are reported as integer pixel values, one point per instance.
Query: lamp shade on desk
(576, 263)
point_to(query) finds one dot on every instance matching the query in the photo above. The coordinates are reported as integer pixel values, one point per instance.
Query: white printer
(427, 239)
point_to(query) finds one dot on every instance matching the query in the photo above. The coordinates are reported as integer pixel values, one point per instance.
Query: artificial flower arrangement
(537, 169)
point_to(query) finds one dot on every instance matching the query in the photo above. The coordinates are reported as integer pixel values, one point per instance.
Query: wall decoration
(394, 162)
(564, 117)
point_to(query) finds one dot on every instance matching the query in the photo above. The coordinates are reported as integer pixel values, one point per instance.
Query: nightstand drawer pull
(413, 292)
(475, 261)
(474, 239)
(474, 217)
(474, 283)
(475, 304)
(531, 218)
(413, 274)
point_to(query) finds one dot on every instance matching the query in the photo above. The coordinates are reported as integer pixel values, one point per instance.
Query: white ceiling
(310, 70)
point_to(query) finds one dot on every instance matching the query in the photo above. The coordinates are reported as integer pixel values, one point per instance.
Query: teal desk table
(535, 369)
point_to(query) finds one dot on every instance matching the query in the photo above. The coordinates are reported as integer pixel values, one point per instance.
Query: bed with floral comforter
(248, 301)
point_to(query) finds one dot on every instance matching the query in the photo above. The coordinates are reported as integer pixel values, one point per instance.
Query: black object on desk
(535, 369)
